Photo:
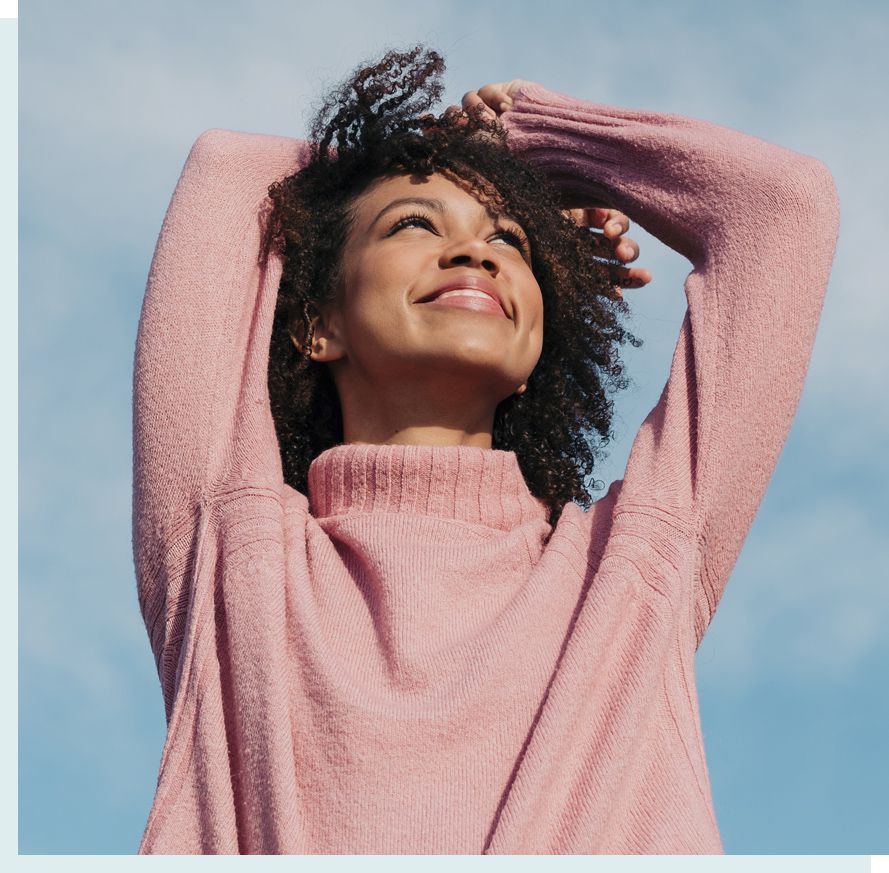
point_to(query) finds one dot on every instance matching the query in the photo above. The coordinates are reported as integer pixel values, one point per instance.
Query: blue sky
(793, 673)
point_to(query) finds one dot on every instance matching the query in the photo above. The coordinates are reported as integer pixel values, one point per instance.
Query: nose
(471, 252)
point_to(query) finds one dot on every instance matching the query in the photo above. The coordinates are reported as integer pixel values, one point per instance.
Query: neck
(432, 411)
(404, 420)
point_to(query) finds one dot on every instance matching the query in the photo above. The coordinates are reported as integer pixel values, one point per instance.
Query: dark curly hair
(376, 124)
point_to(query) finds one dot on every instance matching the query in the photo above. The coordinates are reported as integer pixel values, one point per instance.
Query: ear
(327, 344)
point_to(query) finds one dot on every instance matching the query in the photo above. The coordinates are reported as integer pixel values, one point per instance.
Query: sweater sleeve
(759, 225)
(201, 417)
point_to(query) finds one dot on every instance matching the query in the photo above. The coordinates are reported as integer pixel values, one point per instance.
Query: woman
(382, 622)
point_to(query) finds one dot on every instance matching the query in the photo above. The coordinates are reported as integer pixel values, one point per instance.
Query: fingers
(598, 215)
(495, 99)
(453, 111)
(614, 223)
(497, 96)
(472, 100)
(627, 250)
(632, 277)
(578, 216)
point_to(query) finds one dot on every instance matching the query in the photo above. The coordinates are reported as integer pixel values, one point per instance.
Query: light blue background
(793, 673)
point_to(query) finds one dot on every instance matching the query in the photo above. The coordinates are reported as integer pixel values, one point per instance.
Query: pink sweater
(408, 659)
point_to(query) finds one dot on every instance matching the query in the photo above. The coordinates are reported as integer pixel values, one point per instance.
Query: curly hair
(376, 125)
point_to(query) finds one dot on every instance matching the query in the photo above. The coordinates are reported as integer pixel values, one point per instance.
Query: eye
(411, 220)
(515, 239)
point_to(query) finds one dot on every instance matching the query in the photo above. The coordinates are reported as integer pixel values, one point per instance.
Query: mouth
(468, 292)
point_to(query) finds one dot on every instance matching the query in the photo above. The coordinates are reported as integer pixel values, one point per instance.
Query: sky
(792, 675)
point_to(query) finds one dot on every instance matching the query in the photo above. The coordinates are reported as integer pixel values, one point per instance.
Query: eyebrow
(429, 202)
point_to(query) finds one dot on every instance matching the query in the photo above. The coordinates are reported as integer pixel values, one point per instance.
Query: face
(410, 238)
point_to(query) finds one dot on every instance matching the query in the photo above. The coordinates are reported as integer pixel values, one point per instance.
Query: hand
(614, 226)
(496, 99)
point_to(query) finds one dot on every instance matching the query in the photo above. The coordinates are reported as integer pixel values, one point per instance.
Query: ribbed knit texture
(408, 659)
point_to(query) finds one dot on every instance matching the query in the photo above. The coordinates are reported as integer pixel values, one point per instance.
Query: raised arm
(201, 419)
(759, 225)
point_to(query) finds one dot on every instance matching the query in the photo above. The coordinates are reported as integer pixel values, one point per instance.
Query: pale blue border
(511, 863)
(9, 430)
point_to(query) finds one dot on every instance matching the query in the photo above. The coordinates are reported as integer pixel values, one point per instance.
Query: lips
(475, 283)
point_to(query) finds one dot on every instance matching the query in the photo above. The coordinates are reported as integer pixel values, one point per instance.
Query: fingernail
(614, 227)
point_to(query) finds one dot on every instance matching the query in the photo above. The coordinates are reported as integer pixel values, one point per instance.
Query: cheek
(533, 306)
(375, 297)
(532, 303)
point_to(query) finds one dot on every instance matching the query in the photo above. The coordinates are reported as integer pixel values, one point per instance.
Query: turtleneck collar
(465, 483)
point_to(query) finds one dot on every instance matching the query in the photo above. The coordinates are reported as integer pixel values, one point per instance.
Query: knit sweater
(408, 658)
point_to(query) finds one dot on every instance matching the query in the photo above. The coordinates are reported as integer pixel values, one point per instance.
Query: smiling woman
(411, 205)
(370, 380)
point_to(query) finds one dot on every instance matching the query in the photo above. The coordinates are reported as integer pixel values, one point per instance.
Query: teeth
(464, 292)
